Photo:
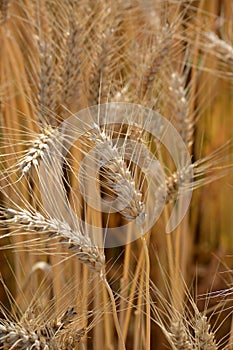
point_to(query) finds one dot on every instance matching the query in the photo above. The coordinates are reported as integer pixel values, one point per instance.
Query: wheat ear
(115, 170)
(179, 337)
(222, 49)
(14, 336)
(180, 108)
(118, 175)
(204, 337)
(75, 241)
(157, 58)
(56, 334)
(204, 171)
(72, 66)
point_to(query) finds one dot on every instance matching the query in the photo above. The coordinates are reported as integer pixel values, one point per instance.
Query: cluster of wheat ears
(84, 87)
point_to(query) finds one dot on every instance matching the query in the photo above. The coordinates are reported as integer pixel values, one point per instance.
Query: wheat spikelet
(38, 147)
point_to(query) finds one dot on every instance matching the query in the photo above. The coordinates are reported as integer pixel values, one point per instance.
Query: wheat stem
(114, 310)
(147, 292)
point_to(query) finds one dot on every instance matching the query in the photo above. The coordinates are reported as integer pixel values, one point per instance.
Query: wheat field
(116, 158)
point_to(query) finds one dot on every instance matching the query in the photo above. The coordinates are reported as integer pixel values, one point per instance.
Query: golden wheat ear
(204, 171)
(77, 242)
